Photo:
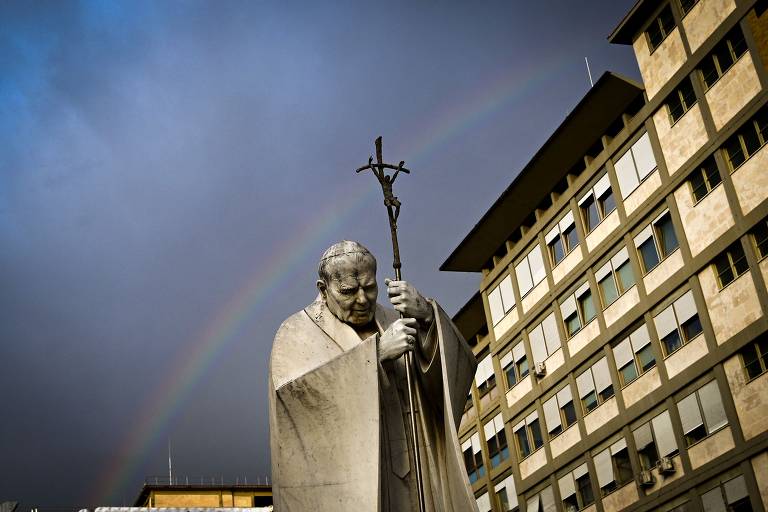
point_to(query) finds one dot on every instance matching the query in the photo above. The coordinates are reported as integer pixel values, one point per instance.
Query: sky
(171, 172)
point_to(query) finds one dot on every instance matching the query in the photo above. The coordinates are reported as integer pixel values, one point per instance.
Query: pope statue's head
(347, 282)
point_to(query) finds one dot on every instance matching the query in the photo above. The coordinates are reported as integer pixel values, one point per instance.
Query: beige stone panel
(751, 181)
(535, 295)
(583, 337)
(602, 230)
(600, 416)
(734, 90)
(191, 499)
(760, 467)
(750, 398)
(665, 480)
(566, 265)
(711, 448)
(227, 500)
(243, 500)
(658, 67)
(704, 18)
(552, 363)
(681, 140)
(705, 221)
(688, 354)
(567, 438)
(505, 324)
(734, 307)
(533, 462)
(663, 271)
(621, 498)
(519, 390)
(640, 387)
(643, 191)
(621, 306)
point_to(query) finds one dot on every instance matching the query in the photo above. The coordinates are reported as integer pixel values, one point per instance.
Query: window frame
(726, 43)
(727, 256)
(655, 441)
(701, 170)
(499, 434)
(472, 444)
(680, 307)
(600, 396)
(501, 298)
(631, 152)
(563, 423)
(527, 426)
(610, 270)
(664, 31)
(572, 302)
(570, 481)
(526, 260)
(513, 362)
(559, 233)
(740, 137)
(619, 474)
(760, 245)
(683, 9)
(597, 195)
(486, 385)
(701, 411)
(760, 358)
(638, 341)
(653, 232)
(679, 95)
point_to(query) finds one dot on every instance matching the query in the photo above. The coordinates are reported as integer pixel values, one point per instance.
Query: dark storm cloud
(153, 155)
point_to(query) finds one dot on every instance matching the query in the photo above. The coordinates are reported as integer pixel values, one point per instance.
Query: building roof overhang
(631, 24)
(470, 319)
(602, 105)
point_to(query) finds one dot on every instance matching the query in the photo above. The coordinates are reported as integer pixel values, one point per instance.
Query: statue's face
(352, 290)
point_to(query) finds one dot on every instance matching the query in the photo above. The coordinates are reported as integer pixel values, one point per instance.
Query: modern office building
(620, 324)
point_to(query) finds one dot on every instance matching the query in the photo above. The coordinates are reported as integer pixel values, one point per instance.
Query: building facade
(620, 324)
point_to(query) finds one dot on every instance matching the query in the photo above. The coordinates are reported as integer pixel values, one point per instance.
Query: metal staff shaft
(393, 211)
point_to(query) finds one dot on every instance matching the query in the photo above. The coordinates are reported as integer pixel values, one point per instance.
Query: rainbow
(155, 416)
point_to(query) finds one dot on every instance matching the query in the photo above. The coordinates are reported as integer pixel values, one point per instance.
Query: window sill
(619, 486)
(662, 260)
(587, 233)
(652, 50)
(736, 278)
(674, 122)
(685, 342)
(625, 385)
(708, 436)
(697, 201)
(566, 429)
(624, 292)
(734, 169)
(750, 380)
(521, 459)
(708, 88)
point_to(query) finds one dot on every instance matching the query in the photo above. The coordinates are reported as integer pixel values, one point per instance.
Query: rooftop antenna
(589, 73)
(170, 467)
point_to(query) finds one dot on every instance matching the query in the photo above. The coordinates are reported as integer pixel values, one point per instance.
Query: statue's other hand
(408, 301)
(398, 338)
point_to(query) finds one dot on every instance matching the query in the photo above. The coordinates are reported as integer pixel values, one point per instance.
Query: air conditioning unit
(541, 369)
(666, 465)
(646, 478)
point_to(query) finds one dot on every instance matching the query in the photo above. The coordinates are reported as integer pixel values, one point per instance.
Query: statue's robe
(339, 427)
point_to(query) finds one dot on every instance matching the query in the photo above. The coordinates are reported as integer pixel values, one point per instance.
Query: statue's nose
(361, 297)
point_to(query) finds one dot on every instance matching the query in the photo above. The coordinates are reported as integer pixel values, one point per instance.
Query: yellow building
(621, 319)
(204, 495)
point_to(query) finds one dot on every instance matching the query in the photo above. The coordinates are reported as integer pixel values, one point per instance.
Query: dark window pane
(751, 140)
(675, 105)
(589, 402)
(607, 202)
(522, 443)
(511, 377)
(760, 233)
(608, 289)
(691, 327)
(672, 342)
(626, 277)
(584, 487)
(709, 71)
(556, 250)
(645, 356)
(695, 435)
(666, 233)
(733, 152)
(522, 367)
(686, 91)
(736, 38)
(628, 373)
(587, 306)
(740, 264)
(655, 35)
(606, 394)
(648, 254)
(572, 324)
(589, 211)
(699, 184)
(724, 57)
(571, 238)
(623, 467)
(711, 173)
(538, 441)
(648, 456)
(569, 411)
(687, 5)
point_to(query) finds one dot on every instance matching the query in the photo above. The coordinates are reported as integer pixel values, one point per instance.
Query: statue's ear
(322, 287)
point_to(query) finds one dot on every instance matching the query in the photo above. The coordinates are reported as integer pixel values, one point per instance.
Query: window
(656, 242)
(660, 28)
(687, 5)
(681, 100)
(613, 467)
(749, 138)
(615, 277)
(755, 357)
(635, 165)
(702, 413)
(678, 323)
(496, 437)
(515, 365)
(704, 179)
(528, 435)
(485, 379)
(473, 458)
(654, 440)
(530, 271)
(730, 264)
(506, 494)
(634, 355)
(731, 495)
(576, 489)
(562, 239)
(544, 338)
(578, 310)
(595, 385)
(559, 412)
(501, 300)
(597, 203)
(760, 236)
(722, 57)
(542, 502)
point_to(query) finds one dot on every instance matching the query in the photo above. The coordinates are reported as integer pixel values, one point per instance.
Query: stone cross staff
(393, 212)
